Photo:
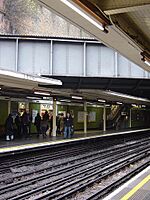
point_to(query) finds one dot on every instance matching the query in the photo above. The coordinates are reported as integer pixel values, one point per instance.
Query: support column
(54, 117)
(85, 117)
(104, 118)
(9, 106)
(130, 118)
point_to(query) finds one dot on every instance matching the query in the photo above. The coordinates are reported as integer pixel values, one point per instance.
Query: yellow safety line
(136, 188)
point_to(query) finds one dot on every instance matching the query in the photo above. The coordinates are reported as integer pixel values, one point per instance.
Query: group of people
(43, 124)
(19, 127)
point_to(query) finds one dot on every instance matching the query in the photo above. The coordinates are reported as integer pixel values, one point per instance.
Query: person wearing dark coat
(58, 124)
(18, 124)
(9, 128)
(37, 123)
(44, 124)
(68, 122)
(25, 123)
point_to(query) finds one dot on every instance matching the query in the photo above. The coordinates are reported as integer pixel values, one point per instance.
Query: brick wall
(28, 17)
(5, 26)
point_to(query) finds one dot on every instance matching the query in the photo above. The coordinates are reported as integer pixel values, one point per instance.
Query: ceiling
(127, 23)
(133, 17)
(89, 89)
(135, 87)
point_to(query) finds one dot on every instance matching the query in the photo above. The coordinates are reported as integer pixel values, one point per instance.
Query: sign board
(80, 116)
(92, 117)
(34, 114)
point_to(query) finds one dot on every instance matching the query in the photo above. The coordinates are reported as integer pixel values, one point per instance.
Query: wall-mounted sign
(92, 117)
(46, 107)
(80, 116)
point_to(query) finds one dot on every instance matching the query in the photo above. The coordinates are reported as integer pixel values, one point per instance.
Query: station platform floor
(33, 141)
(137, 188)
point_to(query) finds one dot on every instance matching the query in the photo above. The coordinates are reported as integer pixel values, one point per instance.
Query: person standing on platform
(18, 124)
(29, 122)
(72, 127)
(25, 123)
(9, 128)
(58, 124)
(61, 123)
(51, 124)
(44, 124)
(68, 122)
(37, 123)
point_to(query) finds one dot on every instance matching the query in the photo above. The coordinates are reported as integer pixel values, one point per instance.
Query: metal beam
(115, 38)
(127, 25)
(79, 59)
(124, 7)
(139, 82)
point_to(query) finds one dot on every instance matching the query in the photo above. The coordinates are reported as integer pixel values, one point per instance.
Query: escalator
(118, 117)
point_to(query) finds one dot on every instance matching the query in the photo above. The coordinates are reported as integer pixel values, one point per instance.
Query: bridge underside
(79, 64)
(136, 87)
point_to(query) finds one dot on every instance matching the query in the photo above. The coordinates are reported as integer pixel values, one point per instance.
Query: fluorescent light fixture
(90, 103)
(43, 102)
(42, 93)
(107, 105)
(147, 63)
(33, 98)
(119, 103)
(30, 78)
(101, 100)
(126, 96)
(65, 100)
(76, 97)
(134, 105)
(47, 98)
(143, 106)
(83, 14)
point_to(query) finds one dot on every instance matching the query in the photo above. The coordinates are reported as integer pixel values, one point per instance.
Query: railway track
(74, 151)
(69, 177)
(105, 191)
(94, 155)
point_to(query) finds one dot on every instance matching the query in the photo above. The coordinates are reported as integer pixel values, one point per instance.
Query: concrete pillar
(130, 118)
(104, 118)
(9, 106)
(54, 117)
(85, 117)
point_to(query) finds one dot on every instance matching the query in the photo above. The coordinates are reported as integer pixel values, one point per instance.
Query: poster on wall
(80, 116)
(92, 117)
(34, 114)
(44, 107)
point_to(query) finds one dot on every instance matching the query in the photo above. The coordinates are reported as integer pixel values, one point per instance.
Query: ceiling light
(119, 103)
(147, 63)
(134, 105)
(76, 97)
(90, 103)
(42, 93)
(126, 96)
(33, 98)
(107, 105)
(145, 58)
(30, 78)
(47, 98)
(101, 100)
(143, 106)
(65, 100)
(83, 14)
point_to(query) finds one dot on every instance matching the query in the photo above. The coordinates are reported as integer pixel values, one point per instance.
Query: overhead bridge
(65, 57)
